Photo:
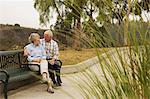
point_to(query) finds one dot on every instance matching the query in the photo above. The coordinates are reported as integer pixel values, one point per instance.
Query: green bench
(14, 71)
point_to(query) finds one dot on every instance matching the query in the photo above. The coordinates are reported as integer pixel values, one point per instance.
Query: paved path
(38, 91)
(68, 90)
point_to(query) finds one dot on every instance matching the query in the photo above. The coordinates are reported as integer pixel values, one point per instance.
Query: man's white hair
(48, 32)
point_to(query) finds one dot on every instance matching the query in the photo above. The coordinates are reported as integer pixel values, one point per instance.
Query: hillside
(15, 37)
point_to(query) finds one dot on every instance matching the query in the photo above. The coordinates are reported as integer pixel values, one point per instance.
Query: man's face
(47, 37)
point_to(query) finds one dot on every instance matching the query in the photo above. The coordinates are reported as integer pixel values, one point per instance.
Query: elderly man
(52, 53)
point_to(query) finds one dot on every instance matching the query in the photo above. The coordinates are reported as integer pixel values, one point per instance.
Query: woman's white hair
(33, 37)
(48, 32)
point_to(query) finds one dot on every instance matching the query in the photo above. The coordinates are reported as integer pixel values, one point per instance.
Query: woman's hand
(26, 52)
(37, 60)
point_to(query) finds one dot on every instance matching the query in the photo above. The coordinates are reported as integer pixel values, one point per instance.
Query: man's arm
(56, 51)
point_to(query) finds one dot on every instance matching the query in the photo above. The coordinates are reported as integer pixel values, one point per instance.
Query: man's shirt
(51, 48)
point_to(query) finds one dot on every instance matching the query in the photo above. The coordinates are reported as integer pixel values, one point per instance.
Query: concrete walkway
(68, 90)
(38, 91)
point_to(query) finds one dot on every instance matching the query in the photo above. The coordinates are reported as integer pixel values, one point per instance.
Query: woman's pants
(43, 68)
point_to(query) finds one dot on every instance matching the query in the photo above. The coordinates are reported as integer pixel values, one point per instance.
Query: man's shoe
(58, 84)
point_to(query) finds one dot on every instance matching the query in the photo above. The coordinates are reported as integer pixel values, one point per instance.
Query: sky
(22, 12)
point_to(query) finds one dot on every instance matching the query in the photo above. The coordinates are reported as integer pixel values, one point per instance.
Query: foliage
(124, 73)
(17, 25)
(76, 18)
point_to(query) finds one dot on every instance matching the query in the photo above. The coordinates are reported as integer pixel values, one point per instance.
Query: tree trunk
(77, 34)
(126, 25)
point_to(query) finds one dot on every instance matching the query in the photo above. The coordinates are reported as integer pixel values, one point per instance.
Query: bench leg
(5, 90)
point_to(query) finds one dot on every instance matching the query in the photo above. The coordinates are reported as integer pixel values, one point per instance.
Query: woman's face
(36, 41)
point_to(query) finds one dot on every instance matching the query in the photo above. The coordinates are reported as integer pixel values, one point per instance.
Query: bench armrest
(59, 62)
(27, 65)
(30, 64)
(5, 72)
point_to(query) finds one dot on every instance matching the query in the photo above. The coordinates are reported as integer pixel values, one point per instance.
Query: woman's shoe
(50, 90)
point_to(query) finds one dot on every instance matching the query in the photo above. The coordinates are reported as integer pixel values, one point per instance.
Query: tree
(74, 7)
(120, 8)
(17, 25)
(70, 13)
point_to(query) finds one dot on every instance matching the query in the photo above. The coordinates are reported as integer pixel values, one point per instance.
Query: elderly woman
(36, 55)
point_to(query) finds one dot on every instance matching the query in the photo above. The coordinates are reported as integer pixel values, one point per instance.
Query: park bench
(14, 71)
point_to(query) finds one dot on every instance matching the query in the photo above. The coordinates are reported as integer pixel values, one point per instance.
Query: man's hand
(52, 62)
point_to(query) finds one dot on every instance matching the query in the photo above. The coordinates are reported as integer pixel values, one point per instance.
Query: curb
(70, 69)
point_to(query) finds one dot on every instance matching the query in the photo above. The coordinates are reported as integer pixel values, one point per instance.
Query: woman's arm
(26, 52)
(29, 57)
(43, 52)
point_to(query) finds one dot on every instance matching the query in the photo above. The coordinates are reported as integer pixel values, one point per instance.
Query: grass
(70, 56)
